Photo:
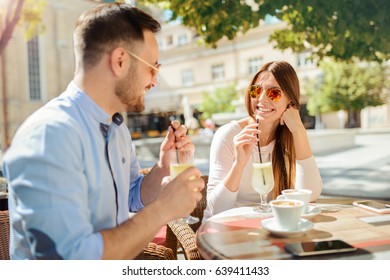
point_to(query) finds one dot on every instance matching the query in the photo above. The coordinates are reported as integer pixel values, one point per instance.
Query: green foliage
(26, 13)
(347, 86)
(218, 102)
(343, 29)
(340, 29)
(31, 17)
(213, 19)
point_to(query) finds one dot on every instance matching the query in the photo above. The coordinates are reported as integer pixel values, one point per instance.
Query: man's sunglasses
(155, 68)
(273, 93)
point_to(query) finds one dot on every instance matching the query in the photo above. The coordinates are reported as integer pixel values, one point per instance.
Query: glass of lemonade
(180, 160)
(262, 178)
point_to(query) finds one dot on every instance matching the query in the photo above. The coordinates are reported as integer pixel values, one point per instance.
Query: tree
(13, 12)
(24, 12)
(348, 86)
(218, 102)
(343, 29)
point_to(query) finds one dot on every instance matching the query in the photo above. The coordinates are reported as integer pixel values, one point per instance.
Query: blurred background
(209, 51)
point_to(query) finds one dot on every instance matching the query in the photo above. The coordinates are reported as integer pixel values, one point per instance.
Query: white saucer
(270, 225)
(312, 212)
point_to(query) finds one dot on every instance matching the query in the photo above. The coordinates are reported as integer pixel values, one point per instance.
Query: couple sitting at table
(74, 176)
(272, 103)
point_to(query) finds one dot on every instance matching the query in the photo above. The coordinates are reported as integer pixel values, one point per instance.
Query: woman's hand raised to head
(292, 119)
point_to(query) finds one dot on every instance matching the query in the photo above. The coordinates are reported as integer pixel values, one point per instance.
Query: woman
(272, 100)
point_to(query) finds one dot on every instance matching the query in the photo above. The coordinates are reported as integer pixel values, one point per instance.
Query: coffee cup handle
(280, 197)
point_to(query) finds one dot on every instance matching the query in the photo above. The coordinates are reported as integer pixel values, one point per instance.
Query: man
(72, 169)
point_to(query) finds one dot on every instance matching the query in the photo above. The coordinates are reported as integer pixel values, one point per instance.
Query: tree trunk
(8, 24)
(12, 16)
(353, 119)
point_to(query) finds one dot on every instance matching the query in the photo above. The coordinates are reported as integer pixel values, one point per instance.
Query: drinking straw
(258, 148)
(177, 153)
(258, 143)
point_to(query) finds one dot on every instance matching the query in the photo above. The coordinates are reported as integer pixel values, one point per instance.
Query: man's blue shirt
(72, 172)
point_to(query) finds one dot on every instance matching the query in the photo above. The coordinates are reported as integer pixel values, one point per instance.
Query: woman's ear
(291, 104)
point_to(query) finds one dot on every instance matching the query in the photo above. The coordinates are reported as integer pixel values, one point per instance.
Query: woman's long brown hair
(283, 155)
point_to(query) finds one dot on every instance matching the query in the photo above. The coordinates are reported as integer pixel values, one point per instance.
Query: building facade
(190, 68)
(35, 71)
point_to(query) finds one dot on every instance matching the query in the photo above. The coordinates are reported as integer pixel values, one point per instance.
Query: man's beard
(126, 91)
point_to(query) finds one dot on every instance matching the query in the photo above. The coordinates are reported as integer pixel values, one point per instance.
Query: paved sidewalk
(361, 171)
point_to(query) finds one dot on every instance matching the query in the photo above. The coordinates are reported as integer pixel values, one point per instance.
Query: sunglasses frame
(254, 94)
(155, 68)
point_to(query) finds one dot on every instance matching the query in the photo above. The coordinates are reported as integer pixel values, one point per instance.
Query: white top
(219, 198)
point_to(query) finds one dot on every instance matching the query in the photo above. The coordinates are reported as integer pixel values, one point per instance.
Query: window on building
(218, 72)
(169, 40)
(160, 43)
(182, 40)
(34, 73)
(254, 64)
(187, 77)
(304, 60)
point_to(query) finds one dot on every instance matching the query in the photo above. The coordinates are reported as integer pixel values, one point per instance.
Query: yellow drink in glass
(177, 168)
(262, 178)
(180, 160)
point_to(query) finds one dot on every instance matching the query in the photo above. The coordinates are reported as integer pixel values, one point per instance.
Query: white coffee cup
(287, 213)
(298, 194)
